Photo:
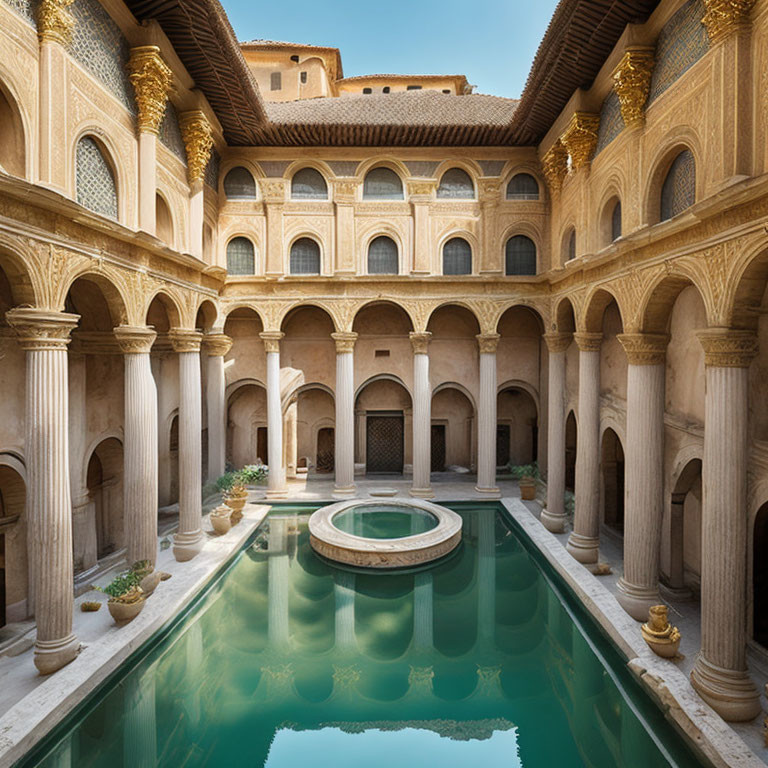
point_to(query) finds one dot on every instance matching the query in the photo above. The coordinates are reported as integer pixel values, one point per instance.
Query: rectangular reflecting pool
(483, 659)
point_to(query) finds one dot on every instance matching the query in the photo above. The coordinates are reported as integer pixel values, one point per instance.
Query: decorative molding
(488, 191)
(725, 16)
(488, 342)
(421, 188)
(54, 22)
(273, 190)
(588, 342)
(198, 141)
(38, 330)
(554, 165)
(632, 83)
(420, 342)
(644, 348)
(343, 191)
(726, 348)
(271, 340)
(216, 344)
(151, 78)
(580, 139)
(345, 341)
(135, 340)
(558, 342)
(185, 339)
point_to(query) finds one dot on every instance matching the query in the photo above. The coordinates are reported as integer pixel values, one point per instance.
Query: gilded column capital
(580, 138)
(558, 342)
(38, 329)
(54, 22)
(185, 339)
(644, 348)
(588, 342)
(216, 344)
(726, 348)
(632, 83)
(198, 141)
(271, 340)
(345, 341)
(487, 343)
(135, 340)
(723, 17)
(151, 78)
(420, 342)
(554, 165)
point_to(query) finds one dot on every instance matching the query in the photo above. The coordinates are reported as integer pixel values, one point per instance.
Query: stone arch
(564, 316)
(467, 164)
(22, 280)
(747, 283)
(517, 430)
(306, 234)
(523, 305)
(382, 161)
(513, 168)
(385, 302)
(111, 156)
(14, 154)
(461, 304)
(165, 225)
(594, 309)
(247, 437)
(659, 299)
(15, 598)
(109, 289)
(311, 422)
(383, 377)
(229, 309)
(569, 244)
(607, 210)
(612, 476)
(454, 415)
(104, 481)
(457, 386)
(207, 315)
(169, 303)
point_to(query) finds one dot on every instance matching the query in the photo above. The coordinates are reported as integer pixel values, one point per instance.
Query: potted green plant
(126, 598)
(526, 480)
(221, 519)
(148, 577)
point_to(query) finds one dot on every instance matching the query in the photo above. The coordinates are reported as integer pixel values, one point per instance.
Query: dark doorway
(2, 579)
(613, 481)
(262, 451)
(760, 577)
(503, 437)
(438, 448)
(385, 443)
(325, 449)
(570, 452)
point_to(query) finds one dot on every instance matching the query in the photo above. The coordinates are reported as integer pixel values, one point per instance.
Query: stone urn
(661, 637)
(128, 607)
(221, 519)
(236, 504)
(149, 583)
(527, 488)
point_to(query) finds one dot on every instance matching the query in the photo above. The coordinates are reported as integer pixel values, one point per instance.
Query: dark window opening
(381, 353)
(295, 58)
(413, 88)
(385, 89)
(447, 90)
(275, 81)
(303, 77)
(367, 90)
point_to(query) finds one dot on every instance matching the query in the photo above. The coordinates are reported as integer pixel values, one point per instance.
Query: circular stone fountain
(384, 534)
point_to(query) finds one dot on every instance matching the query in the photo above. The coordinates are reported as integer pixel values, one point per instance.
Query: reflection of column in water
(193, 673)
(422, 611)
(587, 685)
(62, 756)
(634, 741)
(486, 575)
(278, 581)
(139, 725)
(344, 595)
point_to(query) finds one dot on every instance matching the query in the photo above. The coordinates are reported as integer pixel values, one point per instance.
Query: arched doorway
(105, 489)
(570, 452)
(760, 577)
(14, 581)
(311, 430)
(247, 425)
(612, 464)
(453, 419)
(685, 531)
(517, 427)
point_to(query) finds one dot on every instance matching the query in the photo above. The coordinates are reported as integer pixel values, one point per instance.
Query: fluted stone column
(291, 439)
(423, 609)
(44, 336)
(140, 720)
(486, 577)
(720, 672)
(584, 541)
(344, 459)
(276, 479)
(140, 447)
(189, 539)
(644, 507)
(344, 598)
(486, 416)
(553, 517)
(216, 345)
(422, 417)
(278, 584)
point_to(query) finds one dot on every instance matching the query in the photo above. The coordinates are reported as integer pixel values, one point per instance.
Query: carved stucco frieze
(632, 84)
(723, 17)
(580, 138)
(273, 191)
(151, 78)
(198, 142)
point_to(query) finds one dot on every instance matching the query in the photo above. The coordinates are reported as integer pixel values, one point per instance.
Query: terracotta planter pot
(149, 583)
(527, 490)
(122, 613)
(236, 503)
(221, 523)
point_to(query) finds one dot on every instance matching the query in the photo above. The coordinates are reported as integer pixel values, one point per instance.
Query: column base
(637, 601)
(188, 545)
(731, 693)
(51, 655)
(277, 493)
(488, 493)
(583, 549)
(344, 491)
(422, 493)
(553, 523)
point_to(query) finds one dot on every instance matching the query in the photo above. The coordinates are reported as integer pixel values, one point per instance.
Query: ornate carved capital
(421, 188)
(588, 342)
(487, 342)
(489, 191)
(345, 342)
(632, 83)
(151, 78)
(135, 340)
(216, 344)
(725, 16)
(185, 339)
(725, 348)
(273, 190)
(198, 141)
(271, 340)
(580, 138)
(420, 342)
(37, 329)
(343, 191)
(54, 21)
(558, 342)
(644, 348)
(554, 165)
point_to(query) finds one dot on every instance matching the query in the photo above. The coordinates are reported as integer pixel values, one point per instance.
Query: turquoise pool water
(289, 661)
(384, 521)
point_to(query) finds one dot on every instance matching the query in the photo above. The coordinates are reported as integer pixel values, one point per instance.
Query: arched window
(456, 184)
(12, 154)
(163, 221)
(616, 222)
(520, 256)
(94, 179)
(239, 184)
(569, 245)
(305, 257)
(308, 184)
(382, 184)
(382, 256)
(241, 258)
(679, 189)
(457, 257)
(523, 187)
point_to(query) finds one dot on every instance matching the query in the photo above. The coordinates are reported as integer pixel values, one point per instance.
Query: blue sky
(492, 42)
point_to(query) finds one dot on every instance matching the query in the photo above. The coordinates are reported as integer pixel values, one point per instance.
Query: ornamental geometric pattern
(25, 8)
(170, 133)
(212, 170)
(611, 121)
(98, 44)
(95, 183)
(679, 189)
(681, 43)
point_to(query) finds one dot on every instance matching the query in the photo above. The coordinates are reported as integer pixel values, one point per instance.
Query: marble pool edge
(41, 710)
(665, 683)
